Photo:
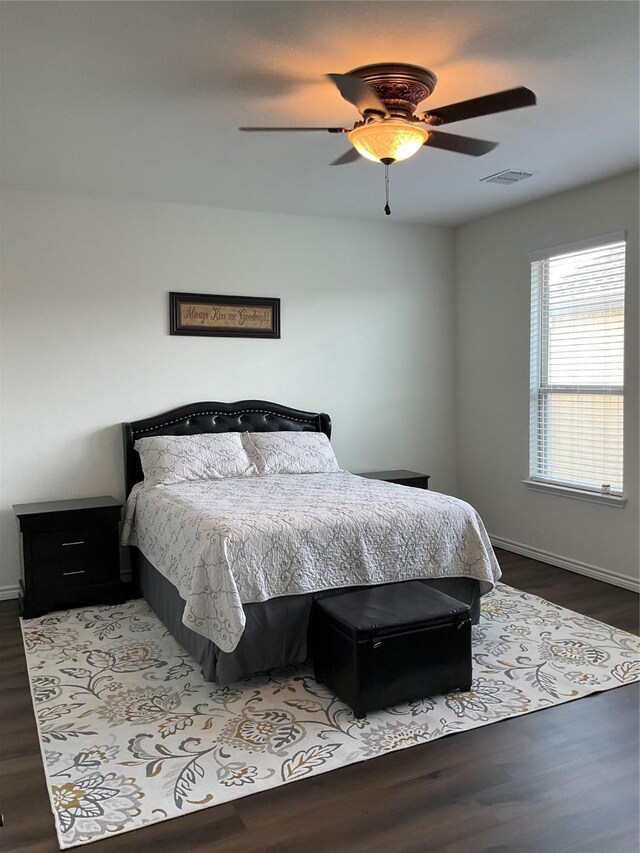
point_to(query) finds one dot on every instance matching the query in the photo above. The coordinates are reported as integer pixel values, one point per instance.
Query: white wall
(493, 293)
(367, 335)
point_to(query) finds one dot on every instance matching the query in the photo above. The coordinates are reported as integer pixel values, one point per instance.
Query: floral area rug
(132, 735)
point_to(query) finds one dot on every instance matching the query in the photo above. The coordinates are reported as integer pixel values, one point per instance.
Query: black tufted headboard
(244, 416)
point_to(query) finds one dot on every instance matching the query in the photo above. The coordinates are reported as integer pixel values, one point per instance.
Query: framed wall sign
(224, 316)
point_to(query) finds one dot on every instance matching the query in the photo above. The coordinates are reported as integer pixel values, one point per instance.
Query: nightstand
(402, 478)
(69, 554)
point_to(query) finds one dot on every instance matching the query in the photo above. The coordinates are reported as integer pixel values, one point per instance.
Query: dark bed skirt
(276, 631)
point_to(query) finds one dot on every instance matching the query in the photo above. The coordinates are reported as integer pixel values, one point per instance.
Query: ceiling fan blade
(349, 156)
(294, 129)
(358, 93)
(459, 144)
(510, 99)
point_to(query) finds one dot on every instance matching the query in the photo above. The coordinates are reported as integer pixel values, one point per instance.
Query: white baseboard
(606, 575)
(7, 592)
(577, 566)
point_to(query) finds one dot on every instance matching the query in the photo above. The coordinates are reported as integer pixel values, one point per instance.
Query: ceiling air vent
(509, 176)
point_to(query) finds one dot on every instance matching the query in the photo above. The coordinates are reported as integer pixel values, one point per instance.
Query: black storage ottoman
(384, 645)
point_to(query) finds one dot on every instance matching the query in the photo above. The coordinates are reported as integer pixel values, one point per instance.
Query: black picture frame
(196, 314)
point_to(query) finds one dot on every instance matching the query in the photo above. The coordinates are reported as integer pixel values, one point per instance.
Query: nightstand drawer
(68, 548)
(87, 572)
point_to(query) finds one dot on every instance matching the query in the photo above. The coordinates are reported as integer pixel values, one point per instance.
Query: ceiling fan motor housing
(400, 87)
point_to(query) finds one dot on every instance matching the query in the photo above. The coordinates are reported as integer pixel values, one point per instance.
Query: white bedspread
(230, 542)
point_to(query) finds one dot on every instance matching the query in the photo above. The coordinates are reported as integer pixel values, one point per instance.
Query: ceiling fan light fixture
(391, 140)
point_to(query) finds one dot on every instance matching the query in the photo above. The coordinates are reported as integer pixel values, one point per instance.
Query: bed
(232, 567)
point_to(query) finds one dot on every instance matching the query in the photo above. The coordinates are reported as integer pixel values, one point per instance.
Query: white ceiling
(143, 99)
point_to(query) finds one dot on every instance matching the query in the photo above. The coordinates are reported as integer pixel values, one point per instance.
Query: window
(577, 362)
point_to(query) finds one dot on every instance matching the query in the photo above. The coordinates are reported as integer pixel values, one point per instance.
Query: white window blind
(577, 361)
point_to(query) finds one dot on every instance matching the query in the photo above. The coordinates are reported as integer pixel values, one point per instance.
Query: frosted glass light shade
(391, 139)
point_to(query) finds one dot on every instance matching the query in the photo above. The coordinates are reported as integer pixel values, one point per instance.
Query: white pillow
(290, 452)
(170, 459)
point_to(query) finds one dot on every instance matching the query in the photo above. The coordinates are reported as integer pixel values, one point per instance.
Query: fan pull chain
(387, 209)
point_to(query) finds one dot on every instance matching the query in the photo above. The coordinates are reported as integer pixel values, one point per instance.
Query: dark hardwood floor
(561, 779)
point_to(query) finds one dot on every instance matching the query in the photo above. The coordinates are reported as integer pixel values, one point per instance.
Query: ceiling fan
(386, 96)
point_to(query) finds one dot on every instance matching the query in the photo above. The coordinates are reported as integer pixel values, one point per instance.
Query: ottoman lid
(378, 611)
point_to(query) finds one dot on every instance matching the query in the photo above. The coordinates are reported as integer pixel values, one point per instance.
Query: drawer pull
(79, 572)
(79, 542)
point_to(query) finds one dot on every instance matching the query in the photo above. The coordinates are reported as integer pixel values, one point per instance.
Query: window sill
(577, 494)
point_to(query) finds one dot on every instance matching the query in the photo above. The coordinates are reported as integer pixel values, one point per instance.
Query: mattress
(229, 543)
